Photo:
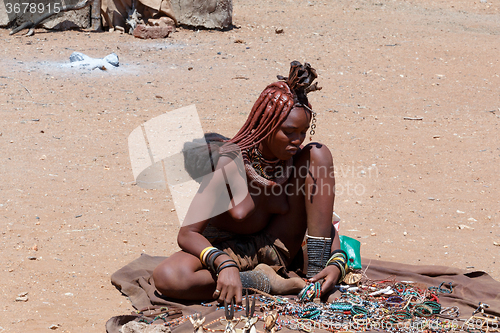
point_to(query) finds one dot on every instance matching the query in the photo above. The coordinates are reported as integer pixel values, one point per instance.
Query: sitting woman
(290, 191)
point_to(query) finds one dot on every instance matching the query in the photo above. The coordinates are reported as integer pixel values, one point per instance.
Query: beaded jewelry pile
(384, 305)
(380, 306)
(371, 306)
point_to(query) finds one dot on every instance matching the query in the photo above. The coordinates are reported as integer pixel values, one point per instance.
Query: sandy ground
(412, 191)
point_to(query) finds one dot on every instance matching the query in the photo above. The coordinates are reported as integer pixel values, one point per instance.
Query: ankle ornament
(256, 280)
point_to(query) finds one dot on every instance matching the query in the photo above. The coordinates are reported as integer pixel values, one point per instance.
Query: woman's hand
(229, 286)
(330, 274)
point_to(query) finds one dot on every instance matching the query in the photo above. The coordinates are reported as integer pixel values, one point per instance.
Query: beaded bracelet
(310, 292)
(341, 306)
(358, 309)
(361, 320)
(422, 310)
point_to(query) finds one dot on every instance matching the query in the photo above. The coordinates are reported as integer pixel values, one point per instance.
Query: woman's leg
(182, 276)
(280, 285)
(311, 193)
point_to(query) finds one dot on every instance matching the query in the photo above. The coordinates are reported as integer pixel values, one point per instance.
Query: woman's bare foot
(280, 285)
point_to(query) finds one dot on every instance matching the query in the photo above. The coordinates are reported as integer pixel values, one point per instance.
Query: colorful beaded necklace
(268, 169)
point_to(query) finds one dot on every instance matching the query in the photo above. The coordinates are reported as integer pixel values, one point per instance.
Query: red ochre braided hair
(274, 104)
(268, 113)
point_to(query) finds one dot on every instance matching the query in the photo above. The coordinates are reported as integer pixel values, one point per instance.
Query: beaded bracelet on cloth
(310, 292)
(341, 306)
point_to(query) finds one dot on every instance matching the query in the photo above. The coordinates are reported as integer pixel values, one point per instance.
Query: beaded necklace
(269, 169)
(265, 172)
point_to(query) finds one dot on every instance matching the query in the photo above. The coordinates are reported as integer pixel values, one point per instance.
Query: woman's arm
(329, 274)
(213, 198)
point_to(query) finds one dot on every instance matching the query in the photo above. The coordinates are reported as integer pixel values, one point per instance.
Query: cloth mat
(469, 288)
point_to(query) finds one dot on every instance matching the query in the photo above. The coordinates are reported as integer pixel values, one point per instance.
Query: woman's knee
(315, 159)
(318, 159)
(173, 273)
(164, 276)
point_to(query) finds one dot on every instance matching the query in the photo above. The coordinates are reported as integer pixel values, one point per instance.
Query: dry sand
(412, 191)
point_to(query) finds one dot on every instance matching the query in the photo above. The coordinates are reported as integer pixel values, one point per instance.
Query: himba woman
(290, 195)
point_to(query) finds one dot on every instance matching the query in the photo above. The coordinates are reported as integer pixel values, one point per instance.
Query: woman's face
(286, 140)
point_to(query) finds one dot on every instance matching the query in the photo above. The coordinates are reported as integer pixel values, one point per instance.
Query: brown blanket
(469, 288)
